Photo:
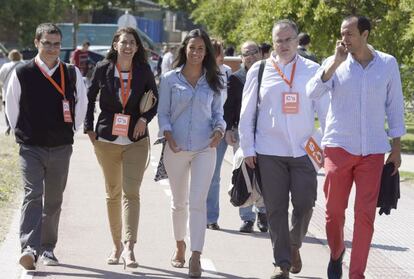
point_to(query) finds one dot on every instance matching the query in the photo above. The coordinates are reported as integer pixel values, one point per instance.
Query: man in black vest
(46, 103)
(250, 53)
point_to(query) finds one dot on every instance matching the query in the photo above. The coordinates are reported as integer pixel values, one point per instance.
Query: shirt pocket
(180, 96)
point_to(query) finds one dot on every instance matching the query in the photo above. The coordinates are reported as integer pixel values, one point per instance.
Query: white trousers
(190, 197)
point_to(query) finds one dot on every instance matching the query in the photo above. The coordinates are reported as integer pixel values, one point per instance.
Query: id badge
(314, 152)
(290, 102)
(67, 117)
(121, 125)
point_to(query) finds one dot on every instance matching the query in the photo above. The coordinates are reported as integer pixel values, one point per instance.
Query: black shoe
(335, 267)
(213, 226)
(262, 222)
(247, 227)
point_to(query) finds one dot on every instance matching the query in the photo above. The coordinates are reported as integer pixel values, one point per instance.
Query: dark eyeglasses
(47, 44)
(250, 53)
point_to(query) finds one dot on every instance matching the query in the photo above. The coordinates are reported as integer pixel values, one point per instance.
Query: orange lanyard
(282, 75)
(61, 88)
(124, 92)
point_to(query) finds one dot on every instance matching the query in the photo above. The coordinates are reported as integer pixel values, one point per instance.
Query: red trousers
(342, 169)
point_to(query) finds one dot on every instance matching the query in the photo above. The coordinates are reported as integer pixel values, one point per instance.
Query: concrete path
(84, 239)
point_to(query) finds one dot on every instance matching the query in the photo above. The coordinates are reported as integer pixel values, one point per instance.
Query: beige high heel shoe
(194, 268)
(114, 256)
(176, 262)
(128, 258)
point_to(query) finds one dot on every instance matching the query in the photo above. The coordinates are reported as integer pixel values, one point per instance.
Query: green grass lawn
(407, 141)
(9, 181)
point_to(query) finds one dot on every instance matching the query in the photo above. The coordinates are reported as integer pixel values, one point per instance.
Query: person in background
(265, 49)
(304, 42)
(121, 138)
(285, 119)
(6, 70)
(45, 105)
(213, 206)
(250, 54)
(159, 62)
(229, 51)
(168, 59)
(364, 89)
(190, 116)
(80, 58)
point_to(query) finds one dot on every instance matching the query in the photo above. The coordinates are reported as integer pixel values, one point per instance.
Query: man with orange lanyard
(284, 120)
(45, 107)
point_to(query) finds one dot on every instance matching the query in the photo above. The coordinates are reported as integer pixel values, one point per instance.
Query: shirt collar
(44, 67)
(179, 69)
(373, 52)
(273, 58)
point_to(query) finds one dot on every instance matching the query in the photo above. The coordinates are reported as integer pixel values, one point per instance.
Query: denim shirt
(190, 113)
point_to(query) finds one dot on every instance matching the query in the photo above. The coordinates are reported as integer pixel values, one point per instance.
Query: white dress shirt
(14, 93)
(225, 72)
(360, 101)
(277, 133)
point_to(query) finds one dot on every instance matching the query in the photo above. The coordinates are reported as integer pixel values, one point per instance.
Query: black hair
(304, 39)
(209, 61)
(229, 51)
(363, 23)
(47, 28)
(265, 47)
(140, 57)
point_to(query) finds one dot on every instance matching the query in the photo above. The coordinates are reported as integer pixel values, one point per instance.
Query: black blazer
(109, 103)
(232, 105)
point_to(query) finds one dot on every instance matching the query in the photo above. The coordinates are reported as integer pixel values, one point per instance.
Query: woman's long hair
(140, 57)
(209, 61)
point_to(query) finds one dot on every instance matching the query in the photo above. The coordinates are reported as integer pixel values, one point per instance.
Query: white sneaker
(28, 258)
(49, 259)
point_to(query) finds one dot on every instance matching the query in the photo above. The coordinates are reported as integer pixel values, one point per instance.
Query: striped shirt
(361, 99)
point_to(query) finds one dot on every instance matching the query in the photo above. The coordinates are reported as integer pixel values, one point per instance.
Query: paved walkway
(84, 240)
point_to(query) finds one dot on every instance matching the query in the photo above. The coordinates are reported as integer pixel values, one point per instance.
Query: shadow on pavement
(145, 272)
(348, 244)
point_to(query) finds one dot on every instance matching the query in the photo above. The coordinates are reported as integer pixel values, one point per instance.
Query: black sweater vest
(40, 120)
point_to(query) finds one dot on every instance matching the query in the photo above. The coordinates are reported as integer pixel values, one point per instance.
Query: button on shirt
(190, 113)
(277, 133)
(361, 100)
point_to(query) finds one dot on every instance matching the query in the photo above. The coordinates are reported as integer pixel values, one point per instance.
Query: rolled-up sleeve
(394, 106)
(315, 88)
(164, 106)
(217, 113)
(248, 113)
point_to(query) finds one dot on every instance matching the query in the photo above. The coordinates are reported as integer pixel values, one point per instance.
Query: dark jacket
(302, 51)
(232, 105)
(103, 82)
(389, 191)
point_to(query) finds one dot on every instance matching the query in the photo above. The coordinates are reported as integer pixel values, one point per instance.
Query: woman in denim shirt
(190, 116)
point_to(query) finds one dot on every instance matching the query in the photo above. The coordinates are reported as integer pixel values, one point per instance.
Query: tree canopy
(235, 21)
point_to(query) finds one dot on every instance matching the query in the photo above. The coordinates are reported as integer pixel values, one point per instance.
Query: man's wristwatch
(143, 119)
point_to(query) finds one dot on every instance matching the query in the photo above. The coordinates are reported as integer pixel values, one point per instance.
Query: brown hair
(15, 55)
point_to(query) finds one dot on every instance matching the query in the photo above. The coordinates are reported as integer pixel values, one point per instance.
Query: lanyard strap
(282, 75)
(124, 92)
(61, 88)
